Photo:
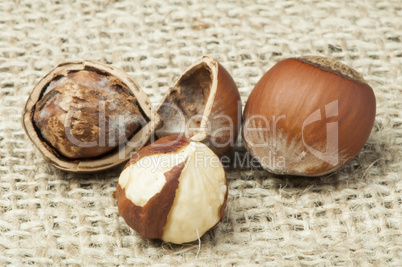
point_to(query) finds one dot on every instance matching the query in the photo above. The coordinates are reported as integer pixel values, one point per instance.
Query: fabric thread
(349, 218)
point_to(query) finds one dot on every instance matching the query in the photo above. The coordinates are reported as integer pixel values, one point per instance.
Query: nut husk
(73, 116)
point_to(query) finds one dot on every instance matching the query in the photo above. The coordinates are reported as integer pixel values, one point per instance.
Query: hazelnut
(308, 116)
(204, 104)
(87, 116)
(174, 190)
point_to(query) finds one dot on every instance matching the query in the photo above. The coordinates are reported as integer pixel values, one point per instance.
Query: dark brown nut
(204, 104)
(87, 116)
(84, 109)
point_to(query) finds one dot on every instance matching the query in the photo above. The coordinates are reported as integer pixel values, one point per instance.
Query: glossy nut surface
(308, 116)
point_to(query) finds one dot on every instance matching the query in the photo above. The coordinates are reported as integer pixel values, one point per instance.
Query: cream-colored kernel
(199, 198)
(145, 178)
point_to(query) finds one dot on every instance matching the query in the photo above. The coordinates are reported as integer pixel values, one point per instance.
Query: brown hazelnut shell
(204, 104)
(102, 162)
(299, 104)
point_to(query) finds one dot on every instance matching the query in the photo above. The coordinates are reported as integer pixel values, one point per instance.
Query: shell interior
(185, 106)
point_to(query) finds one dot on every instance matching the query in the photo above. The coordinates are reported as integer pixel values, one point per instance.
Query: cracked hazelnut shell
(86, 116)
(204, 104)
(174, 190)
(308, 116)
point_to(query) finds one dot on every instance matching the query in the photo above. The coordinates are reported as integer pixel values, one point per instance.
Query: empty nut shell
(204, 104)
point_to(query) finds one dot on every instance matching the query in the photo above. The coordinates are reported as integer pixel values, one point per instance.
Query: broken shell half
(86, 116)
(204, 104)
(174, 190)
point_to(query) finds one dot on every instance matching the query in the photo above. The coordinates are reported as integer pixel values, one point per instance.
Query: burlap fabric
(349, 218)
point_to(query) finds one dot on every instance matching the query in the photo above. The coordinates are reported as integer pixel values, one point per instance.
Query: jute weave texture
(349, 218)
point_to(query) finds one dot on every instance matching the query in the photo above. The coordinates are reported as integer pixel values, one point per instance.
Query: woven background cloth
(351, 217)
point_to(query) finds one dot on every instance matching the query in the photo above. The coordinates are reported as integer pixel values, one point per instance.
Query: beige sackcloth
(349, 218)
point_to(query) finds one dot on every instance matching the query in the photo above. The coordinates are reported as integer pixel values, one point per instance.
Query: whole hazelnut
(174, 190)
(87, 116)
(204, 104)
(308, 116)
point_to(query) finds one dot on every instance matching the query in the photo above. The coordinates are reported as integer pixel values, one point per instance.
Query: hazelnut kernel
(86, 116)
(174, 190)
